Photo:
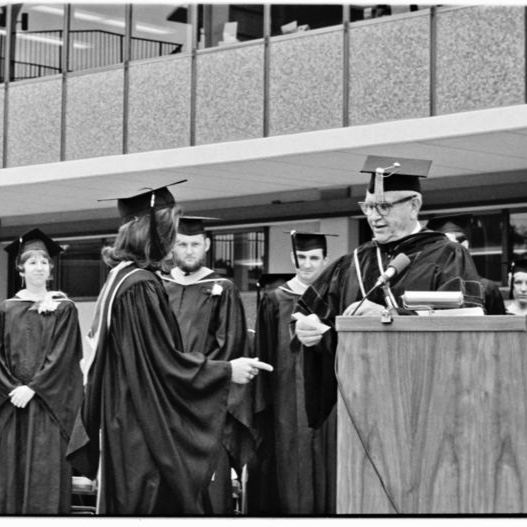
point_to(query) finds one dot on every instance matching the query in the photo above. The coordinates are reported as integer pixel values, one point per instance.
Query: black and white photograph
(263, 261)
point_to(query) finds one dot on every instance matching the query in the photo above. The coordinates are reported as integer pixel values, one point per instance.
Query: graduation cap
(192, 225)
(519, 265)
(33, 240)
(308, 241)
(147, 202)
(454, 223)
(394, 173)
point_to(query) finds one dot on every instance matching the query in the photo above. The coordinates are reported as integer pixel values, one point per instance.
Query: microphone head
(400, 262)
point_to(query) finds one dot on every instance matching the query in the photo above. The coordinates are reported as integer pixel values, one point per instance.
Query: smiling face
(310, 265)
(519, 287)
(400, 221)
(35, 269)
(190, 252)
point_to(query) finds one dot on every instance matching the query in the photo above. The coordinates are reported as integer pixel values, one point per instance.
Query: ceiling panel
(214, 176)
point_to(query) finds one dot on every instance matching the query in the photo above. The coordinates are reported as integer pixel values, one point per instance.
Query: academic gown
(436, 264)
(160, 412)
(493, 300)
(298, 461)
(42, 351)
(211, 319)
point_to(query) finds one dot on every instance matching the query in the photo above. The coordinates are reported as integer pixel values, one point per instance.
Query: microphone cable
(363, 443)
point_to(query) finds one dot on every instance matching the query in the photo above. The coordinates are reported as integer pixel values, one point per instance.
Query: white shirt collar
(187, 279)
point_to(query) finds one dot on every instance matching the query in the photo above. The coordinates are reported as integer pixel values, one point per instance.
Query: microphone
(398, 264)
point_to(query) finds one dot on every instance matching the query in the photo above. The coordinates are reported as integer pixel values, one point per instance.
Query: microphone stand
(386, 316)
(387, 298)
(364, 298)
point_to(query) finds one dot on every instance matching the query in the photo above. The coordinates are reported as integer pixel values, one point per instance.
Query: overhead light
(91, 16)
(47, 40)
(48, 9)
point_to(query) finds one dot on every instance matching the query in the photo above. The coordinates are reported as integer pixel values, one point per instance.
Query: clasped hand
(21, 395)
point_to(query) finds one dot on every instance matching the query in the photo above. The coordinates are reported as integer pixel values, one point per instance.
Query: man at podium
(364, 283)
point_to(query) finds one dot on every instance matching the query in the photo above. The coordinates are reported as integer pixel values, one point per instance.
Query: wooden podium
(432, 415)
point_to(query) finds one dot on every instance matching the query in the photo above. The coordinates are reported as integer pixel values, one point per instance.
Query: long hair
(133, 242)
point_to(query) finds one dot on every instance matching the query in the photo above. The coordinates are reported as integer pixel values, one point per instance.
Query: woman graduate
(152, 414)
(518, 288)
(40, 384)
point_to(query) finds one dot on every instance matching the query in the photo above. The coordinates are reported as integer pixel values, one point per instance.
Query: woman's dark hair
(133, 240)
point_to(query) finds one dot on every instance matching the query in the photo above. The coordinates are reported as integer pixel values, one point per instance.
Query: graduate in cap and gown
(152, 417)
(517, 304)
(40, 384)
(457, 228)
(211, 319)
(298, 463)
(347, 286)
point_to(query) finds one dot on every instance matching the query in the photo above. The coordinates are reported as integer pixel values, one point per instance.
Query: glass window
(485, 238)
(81, 270)
(223, 24)
(239, 256)
(292, 18)
(160, 29)
(37, 40)
(518, 230)
(97, 35)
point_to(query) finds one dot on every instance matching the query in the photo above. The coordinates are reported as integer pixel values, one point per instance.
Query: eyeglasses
(383, 208)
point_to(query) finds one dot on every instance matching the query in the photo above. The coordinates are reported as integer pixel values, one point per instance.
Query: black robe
(436, 264)
(42, 351)
(298, 463)
(160, 412)
(493, 300)
(211, 319)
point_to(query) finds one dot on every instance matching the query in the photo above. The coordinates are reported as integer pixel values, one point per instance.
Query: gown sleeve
(7, 381)
(58, 383)
(231, 341)
(266, 346)
(326, 298)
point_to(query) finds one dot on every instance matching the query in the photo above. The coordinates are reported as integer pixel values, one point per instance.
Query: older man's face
(401, 219)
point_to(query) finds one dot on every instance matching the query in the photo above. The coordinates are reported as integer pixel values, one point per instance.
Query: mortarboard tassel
(293, 234)
(379, 185)
(155, 244)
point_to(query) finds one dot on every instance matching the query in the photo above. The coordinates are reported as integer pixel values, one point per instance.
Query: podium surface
(432, 415)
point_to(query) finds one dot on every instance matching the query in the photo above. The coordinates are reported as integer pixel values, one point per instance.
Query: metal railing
(39, 53)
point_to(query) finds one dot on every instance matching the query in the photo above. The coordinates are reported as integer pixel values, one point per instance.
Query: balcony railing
(39, 53)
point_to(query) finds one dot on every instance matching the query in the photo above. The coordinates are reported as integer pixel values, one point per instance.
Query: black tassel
(293, 234)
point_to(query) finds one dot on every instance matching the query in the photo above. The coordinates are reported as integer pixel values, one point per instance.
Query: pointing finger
(263, 366)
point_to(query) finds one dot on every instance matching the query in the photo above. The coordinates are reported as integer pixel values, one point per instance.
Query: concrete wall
(230, 94)
(478, 62)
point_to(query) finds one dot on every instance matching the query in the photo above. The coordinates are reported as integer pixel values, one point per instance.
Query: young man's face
(310, 264)
(190, 252)
(519, 284)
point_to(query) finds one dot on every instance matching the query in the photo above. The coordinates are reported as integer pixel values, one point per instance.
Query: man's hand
(368, 308)
(244, 369)
(309, 330)
(21, 395)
